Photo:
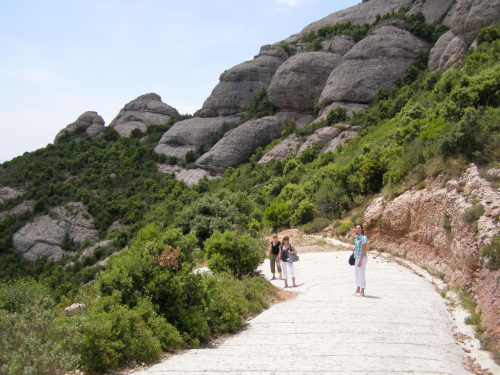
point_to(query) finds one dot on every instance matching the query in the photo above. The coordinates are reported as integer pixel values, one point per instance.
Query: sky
(60, 58)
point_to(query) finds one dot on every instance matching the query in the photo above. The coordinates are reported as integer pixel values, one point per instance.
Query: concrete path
(402, 326)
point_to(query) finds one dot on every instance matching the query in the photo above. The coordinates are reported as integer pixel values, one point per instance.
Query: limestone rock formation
(44, 236)
(89, 251)
(189, 176)
(90, 122)
(188, 134)
(370, 65)
(238, 85)
(365, 12)
(327, 139)
(298, 82)
(240, 143)
(6, 193)
(18, 209)
(146, 110)
(466, 18)
(435, 11)
(411, 226)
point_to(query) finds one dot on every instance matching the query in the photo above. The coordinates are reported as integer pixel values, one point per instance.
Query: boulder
(238, 85)
(89, 251)
(189, 176)
(44, 235)
(290, 145)
(74, 308)
(188, 134)
(372, 64)
(328, 138)
(299, 81)
(239, 144)
(469, 16)
(447, 52)
(339, 44)
(140, 113)
(90, 122)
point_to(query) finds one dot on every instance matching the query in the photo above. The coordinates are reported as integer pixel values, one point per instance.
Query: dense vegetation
(150, 298)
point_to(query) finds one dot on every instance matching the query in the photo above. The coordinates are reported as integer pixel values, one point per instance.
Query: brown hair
(362, 229)
(285, 238)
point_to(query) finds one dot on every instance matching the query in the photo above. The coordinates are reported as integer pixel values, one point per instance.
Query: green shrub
(491, 253)
(304, 213)
(342, 228)
(35, 340)
(446, 222)
(336, 115)
(277, 215)
(113, 334)
(473, 214)
(237, 254)
(488, 34)
(260, 106)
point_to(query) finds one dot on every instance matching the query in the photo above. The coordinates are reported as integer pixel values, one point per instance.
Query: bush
(446, 222)
(277, 215)
(113, 334)
(237, 254)
(34, 339)
(491, 253)
(336, 115)
(260, 106)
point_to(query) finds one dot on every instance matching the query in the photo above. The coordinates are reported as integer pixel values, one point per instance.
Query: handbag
(292, 258)
(352, 260)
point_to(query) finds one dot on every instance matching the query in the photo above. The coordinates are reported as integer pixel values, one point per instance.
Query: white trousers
(359, 273)
(285, 266)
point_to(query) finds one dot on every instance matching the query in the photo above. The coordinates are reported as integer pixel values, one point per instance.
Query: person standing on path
(286, 266)
(360, 249)
(273, 253)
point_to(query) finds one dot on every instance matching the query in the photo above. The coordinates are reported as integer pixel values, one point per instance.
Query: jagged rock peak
(90, 121)
(141, 112)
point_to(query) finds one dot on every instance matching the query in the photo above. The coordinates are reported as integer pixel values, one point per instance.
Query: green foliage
(310, 154)
(237, 254)
(488, 34)
(446, 222)
(491, 253)
(260, 106)
(304, 213)
(190, 156)
(34, 339)
(112, 334)
(336, 115)
(277, 215)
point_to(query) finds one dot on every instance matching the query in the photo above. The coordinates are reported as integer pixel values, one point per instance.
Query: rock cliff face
(90, 122)
(44, 236)
(411, 226)
(139, 113)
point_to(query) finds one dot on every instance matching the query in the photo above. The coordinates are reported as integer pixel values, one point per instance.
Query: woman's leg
(362, 278)
(292, 272)
(279, 268)
(272, 261)
(284, 268)
(357, 277)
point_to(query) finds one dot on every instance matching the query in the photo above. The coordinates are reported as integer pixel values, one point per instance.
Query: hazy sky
(59, 58)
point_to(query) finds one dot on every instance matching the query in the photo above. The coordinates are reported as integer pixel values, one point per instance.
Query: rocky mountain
(342, 71)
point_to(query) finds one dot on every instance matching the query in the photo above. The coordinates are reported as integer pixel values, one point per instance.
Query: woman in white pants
(360, 249)
(286, 249)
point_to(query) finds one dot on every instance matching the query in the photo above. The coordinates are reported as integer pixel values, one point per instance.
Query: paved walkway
(402, 326)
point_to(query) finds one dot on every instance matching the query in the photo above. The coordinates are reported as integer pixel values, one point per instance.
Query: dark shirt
(275, 249)
(284, 252)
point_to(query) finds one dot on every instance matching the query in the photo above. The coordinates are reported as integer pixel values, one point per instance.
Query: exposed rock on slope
(139, 113)
(466, 18)
(188, 134)
(298, 82)
(90, 121)
(326, 139)
(239, 144)
(411, 226)
(359, 14)
(7, 193)
(372, 64)
(238, 85)
(43, 236)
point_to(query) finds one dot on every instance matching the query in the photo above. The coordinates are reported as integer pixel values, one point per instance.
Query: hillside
(117, 218)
